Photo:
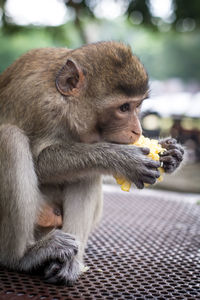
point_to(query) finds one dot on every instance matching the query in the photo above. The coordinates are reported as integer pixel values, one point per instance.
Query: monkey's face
(120, 123)
(109, 90)
(116, 124)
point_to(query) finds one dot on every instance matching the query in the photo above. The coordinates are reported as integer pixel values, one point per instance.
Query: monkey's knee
(17, 168)
(11, 137)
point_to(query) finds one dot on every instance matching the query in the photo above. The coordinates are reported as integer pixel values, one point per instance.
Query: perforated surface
(146, 247)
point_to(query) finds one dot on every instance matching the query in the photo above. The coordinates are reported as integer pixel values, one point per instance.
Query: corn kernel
(155, 150)
(126, 185)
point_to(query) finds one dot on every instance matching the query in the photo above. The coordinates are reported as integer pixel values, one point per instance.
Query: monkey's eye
(125, 107)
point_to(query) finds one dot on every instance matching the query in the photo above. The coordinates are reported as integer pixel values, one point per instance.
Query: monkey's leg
(18, 195)
(19, 199)
(82, 209)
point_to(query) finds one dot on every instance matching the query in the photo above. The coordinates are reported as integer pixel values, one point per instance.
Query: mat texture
(146, 247)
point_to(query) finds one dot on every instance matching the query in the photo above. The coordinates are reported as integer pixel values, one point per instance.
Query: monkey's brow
(131, 91)
(128, 90)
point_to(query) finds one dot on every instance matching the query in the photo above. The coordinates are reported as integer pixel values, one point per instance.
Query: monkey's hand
(171, 158)
(135, 166)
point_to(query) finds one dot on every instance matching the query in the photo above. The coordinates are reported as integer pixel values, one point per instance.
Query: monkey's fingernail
(172, 141)
(145, 150)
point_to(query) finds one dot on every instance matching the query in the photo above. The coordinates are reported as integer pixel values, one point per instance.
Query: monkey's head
(108, 84)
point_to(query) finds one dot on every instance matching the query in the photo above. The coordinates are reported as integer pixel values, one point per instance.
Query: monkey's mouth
(118, 143)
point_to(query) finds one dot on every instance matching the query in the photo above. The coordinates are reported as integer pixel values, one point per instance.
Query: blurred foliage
(14, 45)
(172, 55)
(183, 10)
(167, 48)
(187, 9)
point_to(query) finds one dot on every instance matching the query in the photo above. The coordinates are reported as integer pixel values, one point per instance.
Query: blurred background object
(164, 34)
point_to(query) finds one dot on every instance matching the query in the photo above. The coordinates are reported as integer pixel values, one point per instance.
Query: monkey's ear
(69, 79)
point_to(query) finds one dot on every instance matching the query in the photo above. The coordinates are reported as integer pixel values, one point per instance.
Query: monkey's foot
(63, 268)
(63, 273)
(57, 246)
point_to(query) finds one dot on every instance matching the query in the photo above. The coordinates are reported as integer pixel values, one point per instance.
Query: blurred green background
(164, 34)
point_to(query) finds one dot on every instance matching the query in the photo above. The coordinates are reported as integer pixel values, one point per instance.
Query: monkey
(67, 117)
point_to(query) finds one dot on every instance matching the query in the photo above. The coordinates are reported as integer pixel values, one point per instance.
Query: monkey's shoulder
(45, 53)
(35, 59)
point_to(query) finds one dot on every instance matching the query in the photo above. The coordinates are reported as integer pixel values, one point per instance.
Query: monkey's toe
(63, 274)
(65, 245)
(52, 269)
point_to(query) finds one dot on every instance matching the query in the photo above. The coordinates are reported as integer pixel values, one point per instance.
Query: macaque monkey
(66, 117)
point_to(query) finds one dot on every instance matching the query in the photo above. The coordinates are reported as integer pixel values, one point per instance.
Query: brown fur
(37, 107)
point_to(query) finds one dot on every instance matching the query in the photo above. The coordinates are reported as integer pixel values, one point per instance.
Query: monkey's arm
(171, 158)
(60, 163)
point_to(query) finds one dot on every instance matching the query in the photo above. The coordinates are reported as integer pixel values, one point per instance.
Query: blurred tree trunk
(77, 8)
(3, 18)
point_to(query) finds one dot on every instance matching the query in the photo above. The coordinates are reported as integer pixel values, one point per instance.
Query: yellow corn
(155, 149)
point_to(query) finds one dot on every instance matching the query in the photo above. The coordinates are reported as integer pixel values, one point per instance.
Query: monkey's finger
(177, 147)
(150, 176)
(155, 173)
(175, 153)
(52, 269)
(166, 143)
(155, 164)
(145, 150)
(67, 274)
(149, 179)
(168, 159)
(54, 280)
(74, 272)
(169, 141)
(139, 184)
(169, 164)
(169, 169)
(59, 280)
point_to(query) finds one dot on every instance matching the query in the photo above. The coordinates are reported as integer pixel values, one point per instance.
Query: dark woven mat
(146, 247)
